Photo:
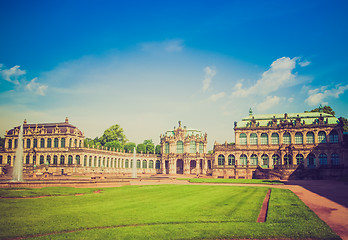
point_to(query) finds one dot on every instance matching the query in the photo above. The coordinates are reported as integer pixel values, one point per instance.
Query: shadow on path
(335, 191)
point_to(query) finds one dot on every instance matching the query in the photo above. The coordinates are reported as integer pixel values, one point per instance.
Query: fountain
(134, 167)
(17, 175)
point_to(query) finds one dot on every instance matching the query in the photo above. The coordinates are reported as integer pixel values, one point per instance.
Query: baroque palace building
(59, 148)
(269, 142)
(312, 140)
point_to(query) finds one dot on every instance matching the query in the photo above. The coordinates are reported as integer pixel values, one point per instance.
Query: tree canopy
(325, 109)
(113, 133)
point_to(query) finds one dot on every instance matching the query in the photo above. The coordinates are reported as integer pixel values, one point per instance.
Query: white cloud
(270, 102)
(12, 74)
(318, 95)
(217, 96)
(291, 99)
(304, 63)
(278, 76)
(209, 74)
(36, 87)
(174, 46)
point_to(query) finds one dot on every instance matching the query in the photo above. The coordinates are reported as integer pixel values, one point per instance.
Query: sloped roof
(307, 118)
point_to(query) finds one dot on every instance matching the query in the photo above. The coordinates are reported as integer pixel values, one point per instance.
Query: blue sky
(147, 64)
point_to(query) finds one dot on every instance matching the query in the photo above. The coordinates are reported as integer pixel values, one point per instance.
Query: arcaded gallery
(275, 146)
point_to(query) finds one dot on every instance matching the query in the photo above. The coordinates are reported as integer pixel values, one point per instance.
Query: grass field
(223, 180)
(160, 212)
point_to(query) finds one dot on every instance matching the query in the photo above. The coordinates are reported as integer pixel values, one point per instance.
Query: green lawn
(161, 212)
(223, 180)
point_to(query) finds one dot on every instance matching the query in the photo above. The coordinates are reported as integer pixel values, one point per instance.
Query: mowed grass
(225, 180)
(162, 212)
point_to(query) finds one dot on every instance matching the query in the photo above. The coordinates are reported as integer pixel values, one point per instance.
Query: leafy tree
(114, 145)
(150, 148)
(344, 122)
(158, 149)
(141, 148)
(89, 141)
(113, 133)
(129, 147)
(326, 109)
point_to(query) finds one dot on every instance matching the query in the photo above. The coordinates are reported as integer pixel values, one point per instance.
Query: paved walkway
(328, 199)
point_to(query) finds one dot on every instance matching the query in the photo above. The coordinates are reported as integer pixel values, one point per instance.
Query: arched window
(243, 159)
(221, 160)
(10, 143)
(107, 162)
(310, 138)
(126, 164)
(99, 162)
(80, 144)
(28, 143)
(231, 160)
(253, 160)
(253, 139)
(42, 143)
(62, 143)
(179, 147)
(55, 159)
(75, 143)
(276, 160)
(48, 160)
(287, 138)
(27, 159)
(49, 143)
(298, 138)
(242, 139)
(103, 162)
(166, 147)
(322, 159)
(151, 164)
(192, 147)
(34, 160)
(90, 161)
(85, 161)
(56, 142)
(288, 159)
(9, 160)
(95, 161)
(333, 137)
(0, 159)
(77, 158)
(62, 160)
(42, 159)
(35, 143)
(201, 147)
(335, 159)
(138, 163)
(264, 139)
(275, 138)
(311, 160)
(158, 164)
(144, 164)
(265, 160)
(70, 141)
(322, 137)
(16, 143)
(299, 159)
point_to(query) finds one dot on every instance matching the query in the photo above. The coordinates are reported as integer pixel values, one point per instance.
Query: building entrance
(179, 166)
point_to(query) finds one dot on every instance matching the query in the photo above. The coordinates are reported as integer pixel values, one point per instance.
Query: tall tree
(158, 149)
(129, 147)
(344, 122)
(114, 145)
(113, 133)
(325, 109)
(141, 148)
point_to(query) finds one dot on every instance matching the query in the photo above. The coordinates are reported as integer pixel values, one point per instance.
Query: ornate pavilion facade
(310, 140)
